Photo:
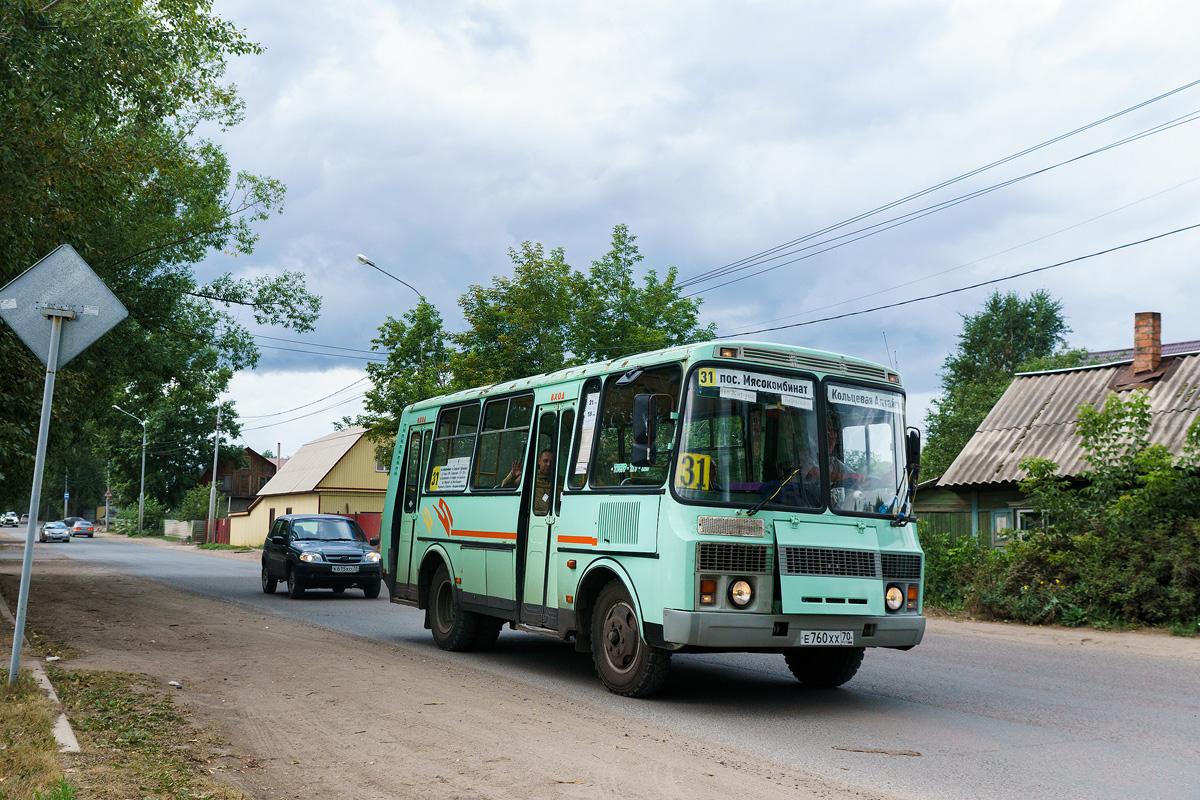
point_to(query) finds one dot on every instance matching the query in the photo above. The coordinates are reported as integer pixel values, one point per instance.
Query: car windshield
(329, 530)
(754, 439)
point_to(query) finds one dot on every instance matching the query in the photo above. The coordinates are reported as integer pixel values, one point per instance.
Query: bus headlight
(741, 593)
(894, 599)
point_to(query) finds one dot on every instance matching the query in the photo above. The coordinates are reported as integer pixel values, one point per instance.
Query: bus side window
(589, 408)
(613, 465)
(502, 441)
(565, 428)
(455, 439)
(412, 473)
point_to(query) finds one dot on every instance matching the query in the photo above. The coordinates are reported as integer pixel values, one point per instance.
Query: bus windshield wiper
(754, 509)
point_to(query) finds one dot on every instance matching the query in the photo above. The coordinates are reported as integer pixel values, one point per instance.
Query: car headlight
(741, 593)
(894, 599)
(310, 557)
(372, 557)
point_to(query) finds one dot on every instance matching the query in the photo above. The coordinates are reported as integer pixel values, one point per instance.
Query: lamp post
(364, 260)
(142, 492)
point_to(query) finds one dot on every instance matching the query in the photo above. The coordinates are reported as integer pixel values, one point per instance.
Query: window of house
(1002, 526)
(1028, 519)
(499, 456)
(452, 447)
(614, 433)
(227, 482)
(380, 466)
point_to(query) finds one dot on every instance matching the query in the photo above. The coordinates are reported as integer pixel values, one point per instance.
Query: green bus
(724, 496)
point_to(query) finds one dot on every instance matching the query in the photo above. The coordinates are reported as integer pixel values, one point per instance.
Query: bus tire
(487, 633)
(824, 667)
(625, 663)
(453, 627)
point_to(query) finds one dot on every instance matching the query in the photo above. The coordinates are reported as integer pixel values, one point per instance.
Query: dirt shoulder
(314, 713)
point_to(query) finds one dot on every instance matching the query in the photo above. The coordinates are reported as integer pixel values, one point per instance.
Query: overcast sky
(434, 136)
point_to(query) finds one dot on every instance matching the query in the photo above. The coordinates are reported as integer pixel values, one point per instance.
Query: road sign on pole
(60, 299)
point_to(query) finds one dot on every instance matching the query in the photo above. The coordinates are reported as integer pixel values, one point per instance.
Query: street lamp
(364, 260)
(142, 493)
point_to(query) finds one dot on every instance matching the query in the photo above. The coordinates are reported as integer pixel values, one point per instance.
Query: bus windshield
(753, 439)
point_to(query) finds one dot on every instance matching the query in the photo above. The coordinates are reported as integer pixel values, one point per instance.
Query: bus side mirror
(913, 449)
(646, 408)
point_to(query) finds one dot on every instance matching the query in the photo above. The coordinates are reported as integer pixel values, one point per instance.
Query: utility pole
(210, 527)
(66, 496)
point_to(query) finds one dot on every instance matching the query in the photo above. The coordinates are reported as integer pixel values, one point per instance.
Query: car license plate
(344, 568)
(827, 638)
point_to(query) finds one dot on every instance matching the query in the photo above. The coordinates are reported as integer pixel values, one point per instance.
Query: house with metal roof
(336, 474)
(1036, 416)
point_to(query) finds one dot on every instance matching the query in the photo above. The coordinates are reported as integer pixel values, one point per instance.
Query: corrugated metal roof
(1174, 349)
(312, 462)
(1036, 417)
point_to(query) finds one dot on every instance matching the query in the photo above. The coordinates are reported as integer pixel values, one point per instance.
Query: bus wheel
(487, 632)
(453, 628)
(824, 667)
(625, 663)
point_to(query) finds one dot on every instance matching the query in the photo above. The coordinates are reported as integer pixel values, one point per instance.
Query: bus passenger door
(406, 518)
(544, 500)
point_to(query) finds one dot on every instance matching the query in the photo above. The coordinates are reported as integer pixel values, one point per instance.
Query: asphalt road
(959, 716)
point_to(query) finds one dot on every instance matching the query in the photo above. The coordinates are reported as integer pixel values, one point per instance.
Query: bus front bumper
(766, 631)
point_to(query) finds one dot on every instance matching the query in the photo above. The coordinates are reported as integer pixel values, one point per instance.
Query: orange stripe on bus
(577, 539)
(486, 534)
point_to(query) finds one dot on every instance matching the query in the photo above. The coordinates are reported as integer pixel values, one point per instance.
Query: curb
(63, 734)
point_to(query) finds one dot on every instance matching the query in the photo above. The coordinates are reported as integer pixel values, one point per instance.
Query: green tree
(194, 504)
(1009, 335)
(614, 316)
(100, 103)
(417, 367)
(519, 325)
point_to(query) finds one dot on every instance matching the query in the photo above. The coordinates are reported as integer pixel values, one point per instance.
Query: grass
(218, 546)
(136, 742)
(29, 765)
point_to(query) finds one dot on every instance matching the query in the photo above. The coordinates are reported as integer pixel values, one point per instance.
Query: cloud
(433, 137)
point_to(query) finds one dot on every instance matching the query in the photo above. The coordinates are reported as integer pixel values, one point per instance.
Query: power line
(987, 257)
(965, 288)
(303, 416)
(894, 222)
(703, 277)
(377, 359)
(314, 344)
(306, 405)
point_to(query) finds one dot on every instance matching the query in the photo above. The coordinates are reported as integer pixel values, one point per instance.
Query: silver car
(55, 532)
(10, 520)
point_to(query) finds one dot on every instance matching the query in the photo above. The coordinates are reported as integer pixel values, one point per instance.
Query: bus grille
(828, 562)
(722, 557)
(901, 566)
(731, 526)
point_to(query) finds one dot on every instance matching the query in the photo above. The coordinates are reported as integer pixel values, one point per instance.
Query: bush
(152, 519)
(1123, 548)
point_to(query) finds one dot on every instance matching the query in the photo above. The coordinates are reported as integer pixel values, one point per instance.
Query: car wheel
(625, 663)
(371, 590)
(824, 667)
(453, 627)
(42, 539)
(295, 584)
(269, 584)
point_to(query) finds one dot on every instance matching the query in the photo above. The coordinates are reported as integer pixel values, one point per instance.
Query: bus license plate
(343, 568)
(827, 638)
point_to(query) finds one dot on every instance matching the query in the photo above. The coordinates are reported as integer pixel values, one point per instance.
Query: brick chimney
(1147, 341)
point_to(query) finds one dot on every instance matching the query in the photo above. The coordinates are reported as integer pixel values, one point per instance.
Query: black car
(320, 551)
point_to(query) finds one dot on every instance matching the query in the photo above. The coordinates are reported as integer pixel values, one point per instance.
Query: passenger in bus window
(513, 479)
(542, 486)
